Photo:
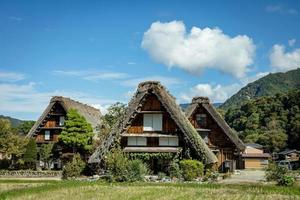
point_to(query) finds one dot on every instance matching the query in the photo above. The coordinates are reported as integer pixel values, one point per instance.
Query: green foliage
(150, 156)
(272, 121)
(174, 169)
(25, 127)
(117, 165)
(30, 155)
(280, 174)
(74, 168)
(136, 170)
(13, 121)
(121, 169)
(46, 154)
(191, 169)
(78, 132)
(265, 86)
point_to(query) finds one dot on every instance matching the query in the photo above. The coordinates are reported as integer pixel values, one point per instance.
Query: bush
(121, 169)
(117, 165)
(30, 155)
(279, 174)
(174, 169)
(191, 169)
(73, 169)
(211, 176)
(137, 170)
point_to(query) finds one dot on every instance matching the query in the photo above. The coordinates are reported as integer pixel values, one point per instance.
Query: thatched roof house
(136, 108)
(219, 137)
(59, 106)
(205, 103)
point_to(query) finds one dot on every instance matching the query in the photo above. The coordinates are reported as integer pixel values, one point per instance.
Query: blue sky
(98, 51)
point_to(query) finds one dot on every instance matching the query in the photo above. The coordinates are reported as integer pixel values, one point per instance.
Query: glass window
(201, 120)
(152, 122)
(47, 135)
(61, 120)
(137, 141)
(168, 141)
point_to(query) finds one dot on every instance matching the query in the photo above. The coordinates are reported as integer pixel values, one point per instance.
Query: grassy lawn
(75, 190)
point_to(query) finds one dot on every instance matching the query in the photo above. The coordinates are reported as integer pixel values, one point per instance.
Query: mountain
(266, 86)
(14, 122)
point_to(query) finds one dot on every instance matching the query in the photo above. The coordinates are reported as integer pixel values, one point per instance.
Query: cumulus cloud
(282, 60)
(170, 44)
(219, 93)
(216, 93)
(92, 75)
(6, 76)
(292, 42)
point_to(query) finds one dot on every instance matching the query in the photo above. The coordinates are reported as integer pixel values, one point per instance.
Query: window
(204, 136)
(61, 120)
(152, 122)
(137, 141)
(47, 135)
(168, 141)
(201, 120)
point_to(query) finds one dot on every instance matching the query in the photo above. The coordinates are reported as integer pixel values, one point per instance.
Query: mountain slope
(266, 86)
(14, 122)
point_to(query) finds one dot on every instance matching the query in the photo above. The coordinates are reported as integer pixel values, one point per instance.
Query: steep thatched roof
(92, 115)
(204, 101)
(148, 88)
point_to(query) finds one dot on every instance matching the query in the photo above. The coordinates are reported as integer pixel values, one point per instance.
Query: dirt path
(246, 176)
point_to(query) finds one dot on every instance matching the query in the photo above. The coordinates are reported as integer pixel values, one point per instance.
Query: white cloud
(170, 44)
(25, 98)
(167, 81)
(217, 93)
(92, 75)
(292, 42)
(281, 60)
(6, 76)
(281, 10)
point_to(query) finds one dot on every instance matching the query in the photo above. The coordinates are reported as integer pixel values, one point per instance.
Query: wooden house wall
(40, 137)
(217, 139)
(153, 104)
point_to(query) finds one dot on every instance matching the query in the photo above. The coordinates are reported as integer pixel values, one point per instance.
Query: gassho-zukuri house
(51, 123)
(155, 123)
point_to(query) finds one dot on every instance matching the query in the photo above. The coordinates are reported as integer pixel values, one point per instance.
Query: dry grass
(97, 190)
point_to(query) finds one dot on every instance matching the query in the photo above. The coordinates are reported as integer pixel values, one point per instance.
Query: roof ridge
(60, 98)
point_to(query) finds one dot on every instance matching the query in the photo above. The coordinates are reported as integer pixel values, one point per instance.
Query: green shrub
(73, 169)
(279, 174)
(191, 169)
(174, 169)
(286, 180)
(211, 175)
(117, 165)
(136, 170)
(30, 155)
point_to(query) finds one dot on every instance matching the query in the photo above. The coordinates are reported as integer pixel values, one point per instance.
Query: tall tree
(25, 127)
(46, 154)
(30, 155)
(78, 133)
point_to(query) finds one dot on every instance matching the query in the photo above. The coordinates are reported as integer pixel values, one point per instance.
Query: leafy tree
(30, 155)
(25, 127)
(273, 121)
(74, 168)
(78, 132)
(11, 144)
(46, 154)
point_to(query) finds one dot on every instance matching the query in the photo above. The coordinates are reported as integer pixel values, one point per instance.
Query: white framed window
(61, 120)
(204, 136)
(136, 141)
(152, 122)
(168, 141)
(47, 135)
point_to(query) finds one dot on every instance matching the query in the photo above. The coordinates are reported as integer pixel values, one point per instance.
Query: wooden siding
(153, 104)
(40, 137)
(254, 163)
(217, 139)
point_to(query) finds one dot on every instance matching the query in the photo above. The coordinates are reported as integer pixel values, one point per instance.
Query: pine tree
(30, 155)
(78, 132)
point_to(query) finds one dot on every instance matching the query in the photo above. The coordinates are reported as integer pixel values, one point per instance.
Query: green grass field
(75, 190)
